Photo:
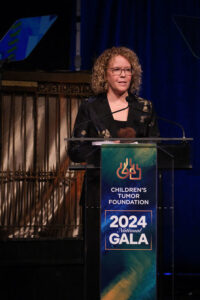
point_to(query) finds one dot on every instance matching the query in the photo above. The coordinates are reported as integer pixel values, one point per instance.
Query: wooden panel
(39, 196)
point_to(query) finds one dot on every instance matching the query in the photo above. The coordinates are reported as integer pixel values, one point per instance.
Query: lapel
(136, 110)
(102, 109)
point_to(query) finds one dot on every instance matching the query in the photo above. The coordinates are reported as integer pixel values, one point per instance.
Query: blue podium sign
(128, 222)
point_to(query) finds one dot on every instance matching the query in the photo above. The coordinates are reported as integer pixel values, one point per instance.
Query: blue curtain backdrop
(171, 79)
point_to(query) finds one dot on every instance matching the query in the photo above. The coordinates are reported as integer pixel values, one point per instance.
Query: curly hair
(98, 80)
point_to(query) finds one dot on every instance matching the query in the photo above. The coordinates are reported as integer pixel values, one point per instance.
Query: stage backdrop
(165, 35)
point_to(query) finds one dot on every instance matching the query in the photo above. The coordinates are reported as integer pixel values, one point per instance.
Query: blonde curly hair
(98, 80)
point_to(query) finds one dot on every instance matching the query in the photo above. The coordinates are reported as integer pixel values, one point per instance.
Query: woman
(114, 111)
(116, 80)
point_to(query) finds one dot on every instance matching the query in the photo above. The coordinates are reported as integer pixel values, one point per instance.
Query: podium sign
(128, 222)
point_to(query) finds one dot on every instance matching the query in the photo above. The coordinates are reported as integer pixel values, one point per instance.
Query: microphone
(97, 119)
(86, 153)
(129, 100)
(174, 123)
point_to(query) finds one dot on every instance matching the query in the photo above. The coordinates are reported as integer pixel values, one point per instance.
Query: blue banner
(128, 222)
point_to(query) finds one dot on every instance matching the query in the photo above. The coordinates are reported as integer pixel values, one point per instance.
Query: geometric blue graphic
(23, 36)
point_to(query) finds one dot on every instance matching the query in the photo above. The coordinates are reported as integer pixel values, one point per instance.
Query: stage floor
(44, 270)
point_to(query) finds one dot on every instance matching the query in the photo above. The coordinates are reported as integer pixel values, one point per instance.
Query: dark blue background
(171, 77)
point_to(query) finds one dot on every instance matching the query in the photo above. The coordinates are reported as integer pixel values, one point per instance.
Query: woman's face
(118, 75)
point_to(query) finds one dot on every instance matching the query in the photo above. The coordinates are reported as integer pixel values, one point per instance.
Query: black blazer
(95, 119)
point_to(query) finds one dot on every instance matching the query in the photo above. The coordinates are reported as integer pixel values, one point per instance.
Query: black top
(95, 119)
(120, 124)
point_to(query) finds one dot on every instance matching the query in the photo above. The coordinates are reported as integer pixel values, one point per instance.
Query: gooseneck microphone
(130, 103)
(129, 100)
(96, 120)
(174, 123)
(99, 118)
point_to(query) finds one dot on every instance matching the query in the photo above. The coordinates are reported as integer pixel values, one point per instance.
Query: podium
(129, 216)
